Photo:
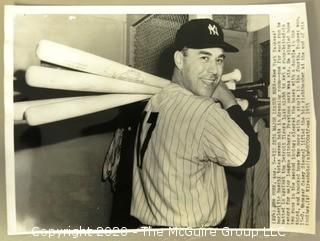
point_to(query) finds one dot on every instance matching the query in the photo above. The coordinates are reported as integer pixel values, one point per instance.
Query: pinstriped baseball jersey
(182, 144)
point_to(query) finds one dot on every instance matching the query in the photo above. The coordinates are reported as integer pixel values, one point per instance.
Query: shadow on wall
(59, 165)
(58, 170)
(59, 185)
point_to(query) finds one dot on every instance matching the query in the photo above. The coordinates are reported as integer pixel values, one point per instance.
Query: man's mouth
(208, 81)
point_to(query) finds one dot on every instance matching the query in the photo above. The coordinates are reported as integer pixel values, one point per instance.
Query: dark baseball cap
(200, 34)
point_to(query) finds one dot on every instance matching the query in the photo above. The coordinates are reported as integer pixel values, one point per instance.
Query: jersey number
(152, 120)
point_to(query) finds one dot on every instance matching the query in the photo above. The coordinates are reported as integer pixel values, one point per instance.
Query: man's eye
(220, 61)
(205, 58)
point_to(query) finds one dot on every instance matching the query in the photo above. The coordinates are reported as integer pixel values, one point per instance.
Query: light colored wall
(101, 35)
(257, 22)
(242, 60)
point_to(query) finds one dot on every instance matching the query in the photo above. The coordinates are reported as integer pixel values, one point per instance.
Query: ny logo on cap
(213, 30)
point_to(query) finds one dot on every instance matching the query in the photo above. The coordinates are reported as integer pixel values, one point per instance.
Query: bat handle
(234, 75)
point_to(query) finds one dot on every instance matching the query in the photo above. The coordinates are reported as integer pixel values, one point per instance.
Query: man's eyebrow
(205, 52)
(210, 54)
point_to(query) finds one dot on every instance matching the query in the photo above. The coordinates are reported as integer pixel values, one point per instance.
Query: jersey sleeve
(223, 140)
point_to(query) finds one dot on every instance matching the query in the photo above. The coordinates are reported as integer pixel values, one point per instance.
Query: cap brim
(229, 48)
(225, 46)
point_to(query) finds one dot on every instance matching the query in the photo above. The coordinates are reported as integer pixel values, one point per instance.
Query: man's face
(202, 70)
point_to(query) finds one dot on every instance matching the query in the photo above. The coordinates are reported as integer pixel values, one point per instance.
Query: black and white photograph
(132, 120)
(125, 121)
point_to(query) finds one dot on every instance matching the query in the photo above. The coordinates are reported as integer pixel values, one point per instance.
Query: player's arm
(239, 117)
(227, 99)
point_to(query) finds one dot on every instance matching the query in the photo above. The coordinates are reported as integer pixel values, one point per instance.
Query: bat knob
(243, 103)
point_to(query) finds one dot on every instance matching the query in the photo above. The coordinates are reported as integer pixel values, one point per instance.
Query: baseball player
(186, 135)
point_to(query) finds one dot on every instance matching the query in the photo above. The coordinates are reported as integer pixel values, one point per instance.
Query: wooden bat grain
(52, 112)
(66, 56)
(53, 78)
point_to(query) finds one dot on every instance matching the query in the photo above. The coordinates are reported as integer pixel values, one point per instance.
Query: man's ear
(178, 59)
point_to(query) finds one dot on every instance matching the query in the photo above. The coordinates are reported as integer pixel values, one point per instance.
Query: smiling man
(187, 133)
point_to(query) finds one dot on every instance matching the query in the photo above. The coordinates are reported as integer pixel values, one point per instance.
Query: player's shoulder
(175, 95)
(204, 105)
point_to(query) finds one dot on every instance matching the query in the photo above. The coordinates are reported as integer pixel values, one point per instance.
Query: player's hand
(224, 95)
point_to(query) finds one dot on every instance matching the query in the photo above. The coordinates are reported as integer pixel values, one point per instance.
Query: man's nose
(212, 68)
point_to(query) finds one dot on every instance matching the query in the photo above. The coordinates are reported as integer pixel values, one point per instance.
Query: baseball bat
(263, 110)
(251, 86)
(72, 80)
(66, 56)
(52, 112)
(38, 112)
(231, 84)
(21, 106)
(45, 77)
(234, 75)
(243, 103)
